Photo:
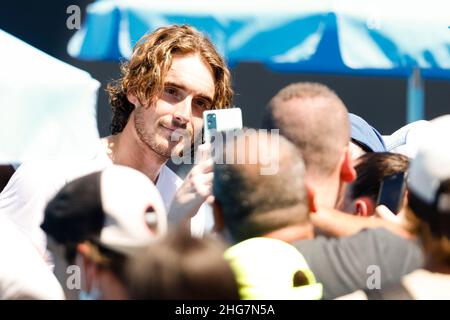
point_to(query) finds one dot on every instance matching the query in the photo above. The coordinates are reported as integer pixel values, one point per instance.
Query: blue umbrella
(390, 38)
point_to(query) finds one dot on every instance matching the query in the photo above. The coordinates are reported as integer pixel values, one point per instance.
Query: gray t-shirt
(344, 265)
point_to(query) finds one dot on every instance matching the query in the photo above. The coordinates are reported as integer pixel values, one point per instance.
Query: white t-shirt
(33, 185)
(23, 271)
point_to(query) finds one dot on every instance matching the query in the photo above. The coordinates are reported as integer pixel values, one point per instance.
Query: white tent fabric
(47, 107)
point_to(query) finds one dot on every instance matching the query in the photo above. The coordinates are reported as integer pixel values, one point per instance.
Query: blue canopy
(381, 38)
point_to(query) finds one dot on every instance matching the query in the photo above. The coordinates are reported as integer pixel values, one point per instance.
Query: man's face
(188, 91)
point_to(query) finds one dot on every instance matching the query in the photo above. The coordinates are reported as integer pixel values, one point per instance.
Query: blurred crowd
(344, 212)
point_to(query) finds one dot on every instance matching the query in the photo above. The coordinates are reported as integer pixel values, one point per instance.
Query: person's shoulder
(34, 176)
(378, 232)
(41, 179)
(64, 169)
(382, 235)
(397, 254)
(313, 247)
(371, 238)
(33, 169)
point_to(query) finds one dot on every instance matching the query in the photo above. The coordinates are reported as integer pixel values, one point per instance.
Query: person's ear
(405, 200)
(348, 172)
(88, 267)
(219, 224)
(133, 99)
(311, 198)
(364, 207)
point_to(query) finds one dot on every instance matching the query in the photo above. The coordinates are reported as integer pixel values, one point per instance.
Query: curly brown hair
(144, 74)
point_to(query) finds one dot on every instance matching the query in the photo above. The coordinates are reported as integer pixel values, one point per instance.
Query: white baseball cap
(406, 140)
(119, 208)
(429, 173)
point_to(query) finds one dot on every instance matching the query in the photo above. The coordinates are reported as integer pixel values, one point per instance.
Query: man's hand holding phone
(196, 188)
(384, 213)
(391, 198)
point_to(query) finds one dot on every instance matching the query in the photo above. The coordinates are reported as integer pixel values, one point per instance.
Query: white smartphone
(214, 121)
(221, 120)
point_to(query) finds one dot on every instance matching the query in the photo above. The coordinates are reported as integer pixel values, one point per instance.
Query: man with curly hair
(174, 74)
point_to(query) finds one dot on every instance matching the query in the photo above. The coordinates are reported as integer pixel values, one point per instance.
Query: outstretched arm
(336, 223)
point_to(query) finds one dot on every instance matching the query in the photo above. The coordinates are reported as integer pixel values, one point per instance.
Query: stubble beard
(150, 140)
